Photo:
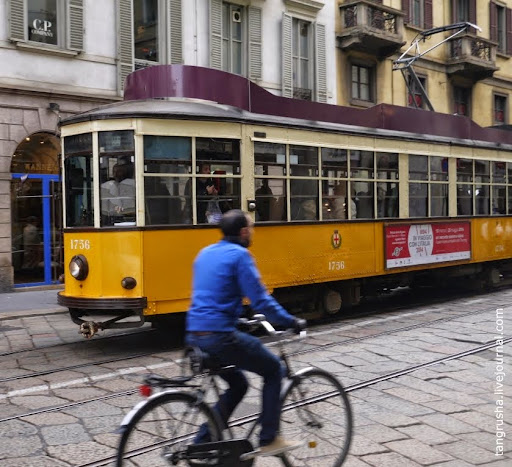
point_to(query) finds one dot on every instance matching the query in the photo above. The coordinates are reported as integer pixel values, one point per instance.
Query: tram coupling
(89, 328)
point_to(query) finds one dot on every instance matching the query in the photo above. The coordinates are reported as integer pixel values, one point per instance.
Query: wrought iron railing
(351, 16)
(382, 20)
(472, 46)
(376, 17)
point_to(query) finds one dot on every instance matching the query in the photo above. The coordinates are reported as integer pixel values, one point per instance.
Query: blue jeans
(245, 352)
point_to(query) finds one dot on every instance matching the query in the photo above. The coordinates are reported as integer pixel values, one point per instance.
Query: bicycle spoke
(315, 411)
(162, 434)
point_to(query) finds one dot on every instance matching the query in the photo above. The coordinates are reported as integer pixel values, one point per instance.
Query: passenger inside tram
(208, 209)
(118, 194)
(264, 201)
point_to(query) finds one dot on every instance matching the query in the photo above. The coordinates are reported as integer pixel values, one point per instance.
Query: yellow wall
(391, 86)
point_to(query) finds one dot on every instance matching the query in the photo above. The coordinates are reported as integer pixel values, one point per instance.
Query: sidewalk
(29, 302)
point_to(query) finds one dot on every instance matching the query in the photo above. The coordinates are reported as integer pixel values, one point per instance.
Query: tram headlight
(78, 267)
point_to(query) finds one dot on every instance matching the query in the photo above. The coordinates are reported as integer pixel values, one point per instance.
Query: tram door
(36, 229)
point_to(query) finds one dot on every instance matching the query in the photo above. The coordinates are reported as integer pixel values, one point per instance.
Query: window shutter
(405, 9)
(320, 64)
(427, 14)
(454, 11)
(17, 20)
(254, 23)
(509, 30)
(287, 64)
(493, 22)
(125, 41)
(175, 36)
(76, 25)
(216, 34)
(472, 12)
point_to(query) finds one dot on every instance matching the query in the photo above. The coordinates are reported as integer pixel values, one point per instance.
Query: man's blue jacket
(224, 273)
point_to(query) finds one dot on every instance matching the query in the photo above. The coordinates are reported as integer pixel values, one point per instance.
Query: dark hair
(232, 222)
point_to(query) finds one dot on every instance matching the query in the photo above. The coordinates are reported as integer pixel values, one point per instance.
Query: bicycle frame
(202, 386)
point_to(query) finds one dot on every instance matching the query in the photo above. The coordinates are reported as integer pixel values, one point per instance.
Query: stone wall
(22, 114)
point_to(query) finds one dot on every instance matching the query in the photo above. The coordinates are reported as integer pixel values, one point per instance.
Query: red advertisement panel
(410, 245)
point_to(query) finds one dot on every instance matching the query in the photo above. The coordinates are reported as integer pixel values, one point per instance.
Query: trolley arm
(404, 63)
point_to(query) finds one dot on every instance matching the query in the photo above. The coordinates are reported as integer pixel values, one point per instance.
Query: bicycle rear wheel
(161, 430)
(316, 410)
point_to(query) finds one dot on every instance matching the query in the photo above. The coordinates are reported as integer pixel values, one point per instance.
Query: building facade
(470, 75)
(61, 57)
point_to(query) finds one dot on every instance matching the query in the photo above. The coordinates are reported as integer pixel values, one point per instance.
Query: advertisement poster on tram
(414, 244)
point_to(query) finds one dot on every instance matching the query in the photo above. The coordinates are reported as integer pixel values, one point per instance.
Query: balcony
(370, 27)
(472, 57)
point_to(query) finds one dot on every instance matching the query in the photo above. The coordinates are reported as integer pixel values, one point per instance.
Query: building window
(362, 83)
(500, 109)
(415, 97)
(145, 30)
(44, 21)
(461, 98)
(233, 18)
(416, 13)
(500, 27)
(462, 12)
(501, 24)
(301, 56)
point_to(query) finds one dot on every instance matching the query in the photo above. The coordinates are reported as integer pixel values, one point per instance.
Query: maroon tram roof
(226, 88)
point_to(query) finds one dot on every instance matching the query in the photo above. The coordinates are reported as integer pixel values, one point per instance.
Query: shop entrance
(36, 211)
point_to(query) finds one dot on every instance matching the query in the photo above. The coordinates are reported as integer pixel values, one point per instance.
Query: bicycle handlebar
(260, 320)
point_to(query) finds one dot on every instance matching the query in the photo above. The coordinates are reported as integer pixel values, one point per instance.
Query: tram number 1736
(80, 244)
(336, 265)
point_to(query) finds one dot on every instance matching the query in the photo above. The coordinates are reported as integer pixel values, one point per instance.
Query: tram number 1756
(336, 265)
(80, 244)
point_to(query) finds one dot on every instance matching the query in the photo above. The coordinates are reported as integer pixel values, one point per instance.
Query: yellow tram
(345, 201)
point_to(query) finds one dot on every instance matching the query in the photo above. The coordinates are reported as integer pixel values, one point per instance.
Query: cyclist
(225, 273)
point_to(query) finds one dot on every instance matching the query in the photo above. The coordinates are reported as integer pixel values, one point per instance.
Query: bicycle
(161, 429)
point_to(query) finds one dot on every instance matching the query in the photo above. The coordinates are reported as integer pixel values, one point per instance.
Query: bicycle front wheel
(162, 429)
(316, 410)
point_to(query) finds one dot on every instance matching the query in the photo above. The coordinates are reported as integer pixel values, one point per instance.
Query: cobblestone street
(451, 412)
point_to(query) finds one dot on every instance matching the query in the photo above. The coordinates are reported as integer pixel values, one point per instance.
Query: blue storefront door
(36, 229)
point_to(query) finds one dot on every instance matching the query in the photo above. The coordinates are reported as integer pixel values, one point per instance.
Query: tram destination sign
(414, 244)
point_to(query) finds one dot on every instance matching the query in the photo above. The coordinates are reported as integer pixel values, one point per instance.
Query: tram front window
(78, 176)
(165, 196)
(117, 178)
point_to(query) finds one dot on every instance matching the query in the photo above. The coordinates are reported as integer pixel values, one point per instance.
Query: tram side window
(438, 186)
(464, 187)
(270, 184)
(508, 179)
(428, 190)
(335, 203)
(303, 190)
(78, 177)
(418, 192)
(499, 188)
(387, 185)
(165, 195)
(217, 175)
(362, 167)
(117, 178)
(482, 195)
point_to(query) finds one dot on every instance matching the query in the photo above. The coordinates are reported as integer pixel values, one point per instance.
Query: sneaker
(278, 446)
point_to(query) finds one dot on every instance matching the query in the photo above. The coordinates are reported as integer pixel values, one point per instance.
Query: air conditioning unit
(237, 16)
